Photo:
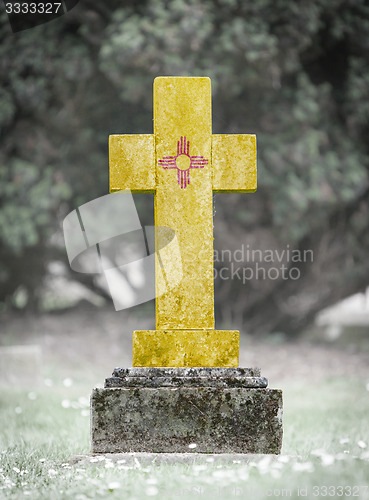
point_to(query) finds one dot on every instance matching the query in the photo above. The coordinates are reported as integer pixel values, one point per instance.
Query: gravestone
(185, 387)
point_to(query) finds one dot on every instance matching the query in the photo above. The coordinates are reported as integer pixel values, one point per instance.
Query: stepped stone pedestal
(165, 410)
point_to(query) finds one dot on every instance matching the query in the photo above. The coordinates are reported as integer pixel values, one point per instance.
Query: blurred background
(294, 73)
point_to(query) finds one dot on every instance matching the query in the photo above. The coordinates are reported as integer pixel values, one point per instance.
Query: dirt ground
(88, 342)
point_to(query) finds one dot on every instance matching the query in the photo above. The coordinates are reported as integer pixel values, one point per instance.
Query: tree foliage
(294, 73)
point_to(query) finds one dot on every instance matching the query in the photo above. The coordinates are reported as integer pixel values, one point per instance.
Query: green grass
(323, 425)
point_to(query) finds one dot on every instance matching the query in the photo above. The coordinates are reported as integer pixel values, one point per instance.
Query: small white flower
(152, 480)
(192, 446)
(327, 460)
(42, 460)
(52, 472)
(85, 413)
(264, 464)
(277, 465)
(83, 401)
(114, 485)
(318, 453)
(32, 396)
(243, 473)
(94, 459)
(275, 473)
(218, 473)
(109, 465)
(210, 459)
(152, 491)
(340, 456)
(65, 403)
(121, 461)
(15, 469)
(199, 467)
(303, 467)
(26, 492)
(67, 382)
(361, 444)
(344, 440)
(18, 410)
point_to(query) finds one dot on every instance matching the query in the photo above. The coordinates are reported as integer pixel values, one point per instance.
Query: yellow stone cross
(183, 164)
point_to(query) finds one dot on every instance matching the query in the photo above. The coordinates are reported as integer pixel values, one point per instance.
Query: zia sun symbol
(183, 162)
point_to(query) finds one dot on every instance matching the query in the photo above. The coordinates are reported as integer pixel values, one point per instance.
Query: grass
(325, 451)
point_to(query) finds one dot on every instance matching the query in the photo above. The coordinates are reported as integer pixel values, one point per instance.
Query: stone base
(169, 410)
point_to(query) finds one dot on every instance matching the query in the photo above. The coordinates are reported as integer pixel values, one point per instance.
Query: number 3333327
(33, 8)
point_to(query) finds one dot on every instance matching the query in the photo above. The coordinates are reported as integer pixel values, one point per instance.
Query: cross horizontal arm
(132, 163)
(234, 163)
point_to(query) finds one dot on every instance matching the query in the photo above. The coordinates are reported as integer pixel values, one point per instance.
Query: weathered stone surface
(179, 348)
(255, 382)
(184, 199)
(186, 377)
(137, 150)
(229, 151)
(202, 371)
(217, 420)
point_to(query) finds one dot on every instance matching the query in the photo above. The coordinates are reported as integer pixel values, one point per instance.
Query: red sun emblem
(183, 162)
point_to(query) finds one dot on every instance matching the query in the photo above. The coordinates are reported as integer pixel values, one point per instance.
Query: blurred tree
(296, 74)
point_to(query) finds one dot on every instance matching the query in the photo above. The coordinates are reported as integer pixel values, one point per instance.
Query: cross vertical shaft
(182, 128)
